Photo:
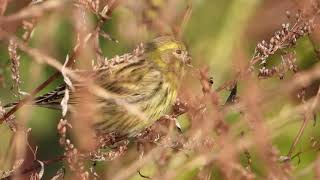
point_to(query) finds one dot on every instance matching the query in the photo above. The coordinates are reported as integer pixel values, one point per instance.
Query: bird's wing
(130, 78)
(131, 81)
(51, 99)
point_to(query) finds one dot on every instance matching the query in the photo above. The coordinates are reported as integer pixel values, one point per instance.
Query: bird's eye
(178, 51)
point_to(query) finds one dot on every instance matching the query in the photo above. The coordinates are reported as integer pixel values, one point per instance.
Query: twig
(33, 11)
(298, 137)
(308, 114)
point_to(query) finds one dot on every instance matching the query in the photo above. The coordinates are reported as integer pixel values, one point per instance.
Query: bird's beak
(188, 61)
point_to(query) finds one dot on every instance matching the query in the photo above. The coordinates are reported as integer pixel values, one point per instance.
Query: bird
(147, 78)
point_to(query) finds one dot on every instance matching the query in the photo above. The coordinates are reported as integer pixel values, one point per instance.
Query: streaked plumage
(148, 80)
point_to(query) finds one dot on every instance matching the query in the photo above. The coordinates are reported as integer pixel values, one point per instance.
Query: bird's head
(169, 54)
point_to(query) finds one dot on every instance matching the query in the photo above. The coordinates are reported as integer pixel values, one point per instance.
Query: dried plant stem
(184, 20)
(286, 38)
(298, 137)
(35, 166)
(57, 74)
(3, 6)
(33, 11)
(307, 116)
(30, 97)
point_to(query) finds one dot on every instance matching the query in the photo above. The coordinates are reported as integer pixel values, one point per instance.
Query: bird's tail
(49, 100)
(9, 106)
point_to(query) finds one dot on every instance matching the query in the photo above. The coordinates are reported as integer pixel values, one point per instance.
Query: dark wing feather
(51, 99)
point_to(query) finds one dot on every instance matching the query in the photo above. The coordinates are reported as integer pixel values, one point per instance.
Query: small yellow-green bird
(148, 81)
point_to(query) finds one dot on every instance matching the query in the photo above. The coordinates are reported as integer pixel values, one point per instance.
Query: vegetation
(247, 108)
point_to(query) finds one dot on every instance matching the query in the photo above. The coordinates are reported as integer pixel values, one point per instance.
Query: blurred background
(220, 35)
